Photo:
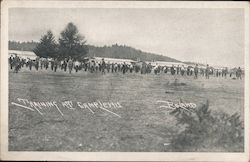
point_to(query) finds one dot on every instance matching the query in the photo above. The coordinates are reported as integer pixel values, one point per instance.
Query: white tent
(23, 54)
(113, 60)
(165, 63)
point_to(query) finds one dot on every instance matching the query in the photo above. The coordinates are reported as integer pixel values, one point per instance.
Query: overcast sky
(213, 36)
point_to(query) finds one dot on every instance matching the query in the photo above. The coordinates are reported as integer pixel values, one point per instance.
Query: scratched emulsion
(74, 120)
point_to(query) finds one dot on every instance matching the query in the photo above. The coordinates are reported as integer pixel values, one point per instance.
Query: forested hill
(125, 52)
(114, 51)
(22, 46)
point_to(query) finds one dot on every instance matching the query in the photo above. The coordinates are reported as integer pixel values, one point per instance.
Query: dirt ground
(141, 124)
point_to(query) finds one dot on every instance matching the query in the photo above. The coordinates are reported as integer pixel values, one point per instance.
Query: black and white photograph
(141, 78)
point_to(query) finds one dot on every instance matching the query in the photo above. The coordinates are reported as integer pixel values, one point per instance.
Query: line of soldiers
(92, 66)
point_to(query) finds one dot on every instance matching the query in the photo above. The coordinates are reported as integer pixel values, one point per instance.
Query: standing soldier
(238, 73)
(178, 69)
(225, 72)
(30, 63)
(98, 66)
(191, 70)
(119, 67)
(217, 73)
(188, 70)
(52, 63)
(196, 70)
(131, 67)
(156, 69)
(92, 66)
(64, 64)
(124, 66)
(108, 66)
(143, 68)
(56, 64)
(172, 70)
(77, 66)
(46, 63)
(115, 67)
(16, 63)
(41, 63)
(182, 70)
(112, 67)
(86, 65)
(103, 66)
(11, 59)
(70, 65)
(207, 72)
(37, 63)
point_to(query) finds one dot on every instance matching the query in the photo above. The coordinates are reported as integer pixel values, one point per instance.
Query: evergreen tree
(72, 43)
(47, 46)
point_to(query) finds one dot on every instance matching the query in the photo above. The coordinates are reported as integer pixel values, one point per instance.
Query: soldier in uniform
(172, 70)
(239, 73)
(16, 63)
(56, 64)
(11, 59)
(207, 72)
(103, 66)
(37, 63)
(70, 65)
(196, 70)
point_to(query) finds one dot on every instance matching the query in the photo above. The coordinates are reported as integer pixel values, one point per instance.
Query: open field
(141, 124)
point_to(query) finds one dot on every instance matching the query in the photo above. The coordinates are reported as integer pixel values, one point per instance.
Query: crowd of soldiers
(92, 66)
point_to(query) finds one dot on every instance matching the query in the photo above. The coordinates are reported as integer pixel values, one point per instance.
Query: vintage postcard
(124, 81)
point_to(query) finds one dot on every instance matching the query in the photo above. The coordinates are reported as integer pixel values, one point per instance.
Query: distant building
(165, 63)
(112, 60)
(23, 54)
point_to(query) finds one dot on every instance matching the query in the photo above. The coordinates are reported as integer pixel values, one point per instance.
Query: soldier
(143, 68)
(92, 66)
(11, 61)
(156, 69)
(225, 72)
(52, 62)
(41, 63)
(112, 67)
(86, 65)
(217, 73)
(119, 67)
(64, 65)
(207, 72)
(103, 66)
(56, 64)
(98, 66)
(30, 62)
(16, 63)
(178, 70)
(37, 63)
(188, 70)
(196, 70)
(182, 70)
(172, 70)
(46, 63)
(70, 65)
(191, 71)
(238, 73)
(124, 66)
(108, 66)
(77, 66)
(115, 67)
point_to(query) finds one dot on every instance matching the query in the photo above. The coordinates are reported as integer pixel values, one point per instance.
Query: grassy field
(142, 125)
